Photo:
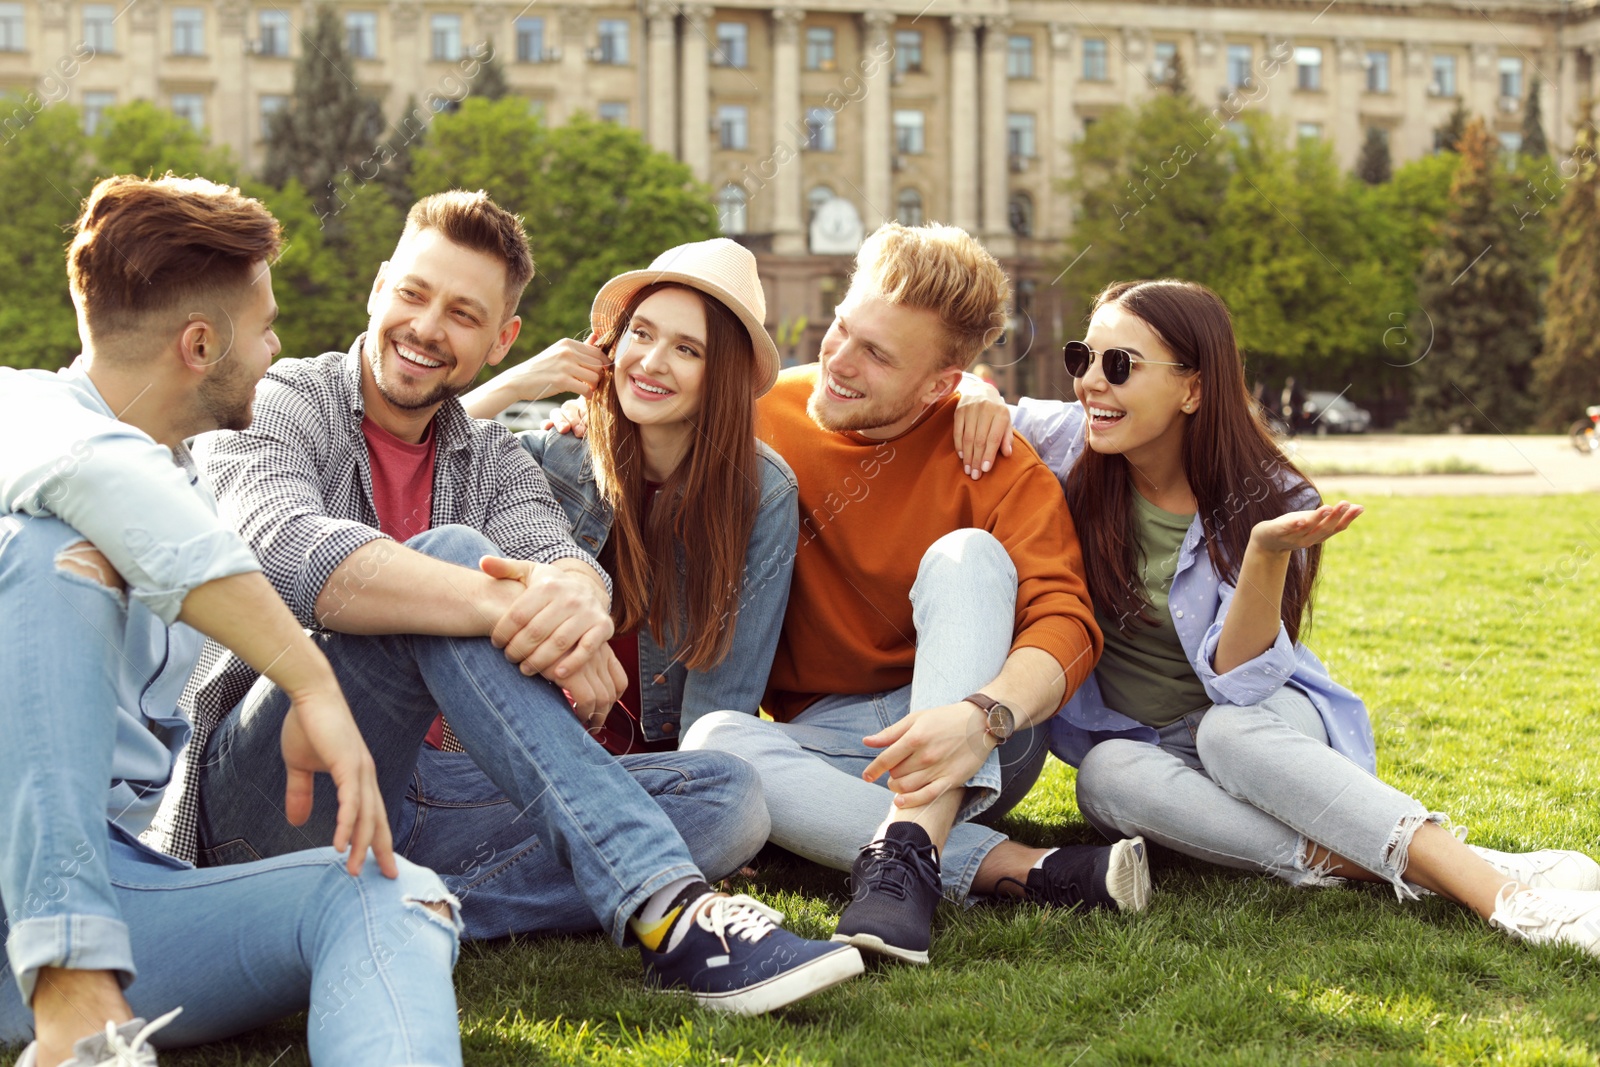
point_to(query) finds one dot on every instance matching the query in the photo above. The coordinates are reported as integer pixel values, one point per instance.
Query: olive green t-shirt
(1144, 672)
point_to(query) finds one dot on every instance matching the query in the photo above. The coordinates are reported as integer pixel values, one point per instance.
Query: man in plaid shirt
(406, 533)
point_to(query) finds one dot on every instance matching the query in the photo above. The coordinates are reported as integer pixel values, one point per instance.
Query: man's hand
(930, 752)
(983, 429)
(319, 736)
(595, 687)
(558, 623)
(571, 417)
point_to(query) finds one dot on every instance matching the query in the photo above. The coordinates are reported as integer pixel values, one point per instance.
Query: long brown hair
(708, 504)
(1236, 471)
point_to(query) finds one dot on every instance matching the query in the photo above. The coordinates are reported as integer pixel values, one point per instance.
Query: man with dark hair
(112, 557)
(427, 549)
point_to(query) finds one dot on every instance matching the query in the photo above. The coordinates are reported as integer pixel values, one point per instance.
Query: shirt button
(1180, 613)
(669, 727)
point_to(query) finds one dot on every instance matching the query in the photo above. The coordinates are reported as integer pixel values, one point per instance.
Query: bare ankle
(71, 1004)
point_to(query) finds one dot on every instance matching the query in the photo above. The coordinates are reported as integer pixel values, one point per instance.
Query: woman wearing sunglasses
(1207, 726)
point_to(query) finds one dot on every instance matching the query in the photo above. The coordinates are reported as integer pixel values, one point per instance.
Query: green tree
(143, 138)
(1448, 136)
(1533, 142)
(1479, 297)
(1567, 373)
(595, 198)
(327, 136)
(1375, 167)
(43, 178)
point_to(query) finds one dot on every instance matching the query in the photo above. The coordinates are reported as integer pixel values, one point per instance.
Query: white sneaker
(120, 1046)
(1549, 868)
(1550, 916)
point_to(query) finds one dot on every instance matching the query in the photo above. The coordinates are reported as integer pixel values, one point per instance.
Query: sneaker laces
(138, 1052)
(739, 915)
(1529, 909)
(893, 867)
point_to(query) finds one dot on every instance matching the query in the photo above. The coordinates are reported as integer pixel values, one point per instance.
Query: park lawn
(1467, 623)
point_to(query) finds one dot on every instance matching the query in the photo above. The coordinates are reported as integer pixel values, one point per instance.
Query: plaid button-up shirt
(298, 486)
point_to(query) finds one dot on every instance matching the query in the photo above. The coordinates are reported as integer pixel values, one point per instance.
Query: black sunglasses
(1114, 362)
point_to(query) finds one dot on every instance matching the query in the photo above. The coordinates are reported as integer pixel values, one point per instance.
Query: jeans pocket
(229, 852)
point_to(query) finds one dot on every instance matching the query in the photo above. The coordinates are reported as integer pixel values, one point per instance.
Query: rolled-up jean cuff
(74, 942)
(983, 789)
(961, 891)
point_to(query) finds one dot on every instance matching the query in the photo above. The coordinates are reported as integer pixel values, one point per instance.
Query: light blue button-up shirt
(64, 454)
(1199, 601)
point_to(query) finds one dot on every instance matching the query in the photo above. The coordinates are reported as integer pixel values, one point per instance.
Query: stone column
(1136, 68)
(488, 19)
(1055, 207)
(1561, 122)
(406, 51)
(694, 145)
(661, 114)
(1481, 93)
(997, 233)
(1284, 84)
(1208, 78)
(234, 122)
(964, 122)
(878, 137)
(1350, 81)
(574, 92)
(143, 47)
(788, 221)
(54, 39)
(1416, 132)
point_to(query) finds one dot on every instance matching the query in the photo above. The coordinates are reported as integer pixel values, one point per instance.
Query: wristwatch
(999, 721)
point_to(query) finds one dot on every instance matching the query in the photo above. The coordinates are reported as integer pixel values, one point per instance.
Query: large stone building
(813, 124)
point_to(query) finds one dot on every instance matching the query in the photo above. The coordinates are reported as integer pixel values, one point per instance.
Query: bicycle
(1585, 433)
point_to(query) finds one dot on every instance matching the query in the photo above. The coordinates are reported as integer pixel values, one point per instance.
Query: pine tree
(1567, 374)
(328, 136)
(1479, 301)
(1447, 138)
(1375, 166)
(1177, 77)
(490, 81)
(1533, 142)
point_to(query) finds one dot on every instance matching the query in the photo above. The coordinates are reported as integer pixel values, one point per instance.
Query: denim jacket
(674, 696)
(1199, 601)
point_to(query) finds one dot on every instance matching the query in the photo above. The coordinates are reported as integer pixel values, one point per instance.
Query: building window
(1308, 131)
(190, 106)
(908, 208)
(1019, 136)
(1166, 59)
(1019, 56)
(908, 133)
(1444, 76)
(274, 29)
(1510, 144)
(1020, 210)
(271, 104)
(530, 40)
(446, 36)
(613, 42)
(908, 51)
(1511, 77)
(99, 28)
(1094, 59)
(614, 112)
(1308, 68)
(733, 124)
(1241, 132)
(820, 134)
(733, 45)
(11, 25)
(819, 48)
(188, 31)
(1241, 61)
(1377, 72)
(94, 110)
(537, 106)
(361, 34)
(815, 199)
(731, 209)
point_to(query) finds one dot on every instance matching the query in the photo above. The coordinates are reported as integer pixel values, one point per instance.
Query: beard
(415, 401)
(870, 416)
(226, 396)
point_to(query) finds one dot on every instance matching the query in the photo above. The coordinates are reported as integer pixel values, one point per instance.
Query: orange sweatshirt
(869, 510)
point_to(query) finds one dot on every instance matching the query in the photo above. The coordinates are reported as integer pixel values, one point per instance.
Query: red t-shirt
(402, 491)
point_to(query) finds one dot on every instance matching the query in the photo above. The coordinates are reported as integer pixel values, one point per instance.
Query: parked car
(1327, 413)
(526, 414)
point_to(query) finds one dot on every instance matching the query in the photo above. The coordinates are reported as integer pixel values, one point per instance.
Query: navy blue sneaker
(1116, 877)
(894, 891)
(730, 954)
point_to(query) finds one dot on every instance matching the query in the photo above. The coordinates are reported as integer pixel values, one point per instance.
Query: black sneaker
(1094, 876)
(894, 889)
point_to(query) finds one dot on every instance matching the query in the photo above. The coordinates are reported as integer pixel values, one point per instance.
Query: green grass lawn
(1467, 623)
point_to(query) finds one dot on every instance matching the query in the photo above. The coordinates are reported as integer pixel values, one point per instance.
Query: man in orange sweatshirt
(934, 619)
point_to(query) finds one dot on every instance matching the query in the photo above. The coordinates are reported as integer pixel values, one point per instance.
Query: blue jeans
(1249, 787)
(591, 815)
(235, 948)
(455, 821)
(964, 609)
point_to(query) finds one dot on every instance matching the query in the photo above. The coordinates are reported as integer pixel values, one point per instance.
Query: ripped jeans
(1250, 787)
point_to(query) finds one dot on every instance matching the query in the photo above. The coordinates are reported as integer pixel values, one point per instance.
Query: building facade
(813, 125)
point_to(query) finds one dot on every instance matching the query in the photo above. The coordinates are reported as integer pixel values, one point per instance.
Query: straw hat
(719, 267)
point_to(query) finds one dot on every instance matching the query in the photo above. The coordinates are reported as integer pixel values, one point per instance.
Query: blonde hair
(942, 269)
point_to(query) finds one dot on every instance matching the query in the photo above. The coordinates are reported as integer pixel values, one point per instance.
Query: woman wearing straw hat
(696, 522)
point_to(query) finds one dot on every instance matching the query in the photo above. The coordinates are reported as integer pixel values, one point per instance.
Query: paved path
(1519, 465)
